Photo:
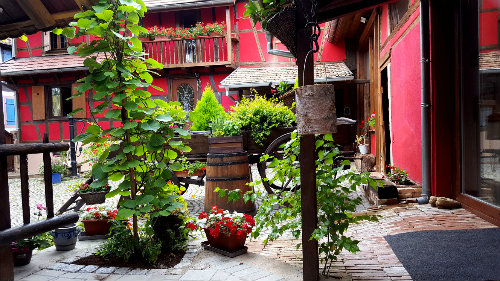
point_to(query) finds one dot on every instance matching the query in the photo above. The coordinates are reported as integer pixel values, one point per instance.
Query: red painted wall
(405, 104)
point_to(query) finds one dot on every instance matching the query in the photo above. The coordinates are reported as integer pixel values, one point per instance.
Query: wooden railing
(8, 234)
(200, 51)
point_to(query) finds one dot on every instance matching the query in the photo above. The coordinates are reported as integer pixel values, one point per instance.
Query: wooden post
(6, 263)
(228, 36)
(47, 178)
(307, 151)
(25, 191)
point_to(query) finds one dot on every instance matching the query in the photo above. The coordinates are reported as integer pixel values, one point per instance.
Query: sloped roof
(171, 5)
(27, 17)
(35, 65)
(264, 76)
(490, 60)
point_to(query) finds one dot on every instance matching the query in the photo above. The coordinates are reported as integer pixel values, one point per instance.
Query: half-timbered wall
(249, 45)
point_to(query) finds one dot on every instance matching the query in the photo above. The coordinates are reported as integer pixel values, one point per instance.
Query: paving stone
(112, 277)
(50, 272)
(108, 270)
(157, 271)
(138, 272)
(36, 277)
(89, 269)
(237, 268)
(198, 275)
(272, 277)
(66, 267)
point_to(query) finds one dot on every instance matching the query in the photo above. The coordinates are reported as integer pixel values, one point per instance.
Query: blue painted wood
(11, 111)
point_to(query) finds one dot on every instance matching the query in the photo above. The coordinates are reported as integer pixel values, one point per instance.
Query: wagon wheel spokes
(276, 151)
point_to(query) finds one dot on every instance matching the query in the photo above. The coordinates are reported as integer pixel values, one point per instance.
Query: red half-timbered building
(45, 75)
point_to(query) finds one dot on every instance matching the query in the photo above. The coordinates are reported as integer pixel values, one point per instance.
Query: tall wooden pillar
(307, 151)
(6, 263)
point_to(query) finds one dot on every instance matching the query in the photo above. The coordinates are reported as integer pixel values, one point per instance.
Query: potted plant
(22, 250)
(225, 231)
(58, 168)
(361, 139)
(65, 237)
(93, 195)
(97, 220)
(191, 168)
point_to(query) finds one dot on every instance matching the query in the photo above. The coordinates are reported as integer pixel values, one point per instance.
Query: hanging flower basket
(92, 198)
(316, 109)
(282, 26)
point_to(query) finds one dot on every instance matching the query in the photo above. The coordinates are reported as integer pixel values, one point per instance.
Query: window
(57, 42)
(10, 108)
(188, 19)
(396, 12)
(59, 105)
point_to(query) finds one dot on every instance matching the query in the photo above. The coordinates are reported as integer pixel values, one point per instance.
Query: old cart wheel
(275, 150)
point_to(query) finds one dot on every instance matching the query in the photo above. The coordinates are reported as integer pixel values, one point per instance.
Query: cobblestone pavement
(376, 260)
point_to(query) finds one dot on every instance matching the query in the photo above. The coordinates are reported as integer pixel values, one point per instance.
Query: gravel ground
(194, 196)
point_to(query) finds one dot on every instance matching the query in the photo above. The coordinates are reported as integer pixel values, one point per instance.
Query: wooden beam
(6, 263)
(37, 12)
(307, 155)
(331, 9)
(228, 36)
(368, 28)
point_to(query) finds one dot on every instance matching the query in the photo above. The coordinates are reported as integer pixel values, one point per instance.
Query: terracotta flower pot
(21, 256)
(96, 227)
(185, 173)
(225, 242)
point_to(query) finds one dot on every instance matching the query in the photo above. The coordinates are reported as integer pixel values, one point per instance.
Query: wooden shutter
(46, 41)
(38, 102)
(10, 108)
(78, 102)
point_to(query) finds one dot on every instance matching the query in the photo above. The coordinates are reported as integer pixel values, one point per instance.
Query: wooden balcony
(201, 51)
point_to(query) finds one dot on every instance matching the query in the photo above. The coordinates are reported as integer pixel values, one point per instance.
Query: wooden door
(185, 91)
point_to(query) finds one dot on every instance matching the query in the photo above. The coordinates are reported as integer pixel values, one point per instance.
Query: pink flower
(40, 207)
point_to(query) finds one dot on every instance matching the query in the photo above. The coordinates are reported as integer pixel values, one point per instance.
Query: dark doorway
(387, 121)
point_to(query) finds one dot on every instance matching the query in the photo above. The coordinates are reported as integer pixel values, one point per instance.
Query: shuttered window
(10, 108)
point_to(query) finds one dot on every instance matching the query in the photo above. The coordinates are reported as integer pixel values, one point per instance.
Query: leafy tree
(145, 152)
(207, 109)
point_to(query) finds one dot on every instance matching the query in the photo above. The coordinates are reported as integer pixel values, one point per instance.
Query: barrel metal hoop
(222, 155)
(228, 163)
(228, 179)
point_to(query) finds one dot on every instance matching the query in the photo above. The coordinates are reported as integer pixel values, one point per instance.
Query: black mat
(472, 254)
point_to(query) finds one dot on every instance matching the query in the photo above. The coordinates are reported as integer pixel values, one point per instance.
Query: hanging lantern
(316, 109)
(493, 126)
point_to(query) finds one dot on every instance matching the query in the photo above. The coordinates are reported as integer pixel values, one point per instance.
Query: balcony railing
(201, 51)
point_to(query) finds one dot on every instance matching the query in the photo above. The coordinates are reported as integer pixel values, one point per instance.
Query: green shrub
(207, 109)
(259, 116)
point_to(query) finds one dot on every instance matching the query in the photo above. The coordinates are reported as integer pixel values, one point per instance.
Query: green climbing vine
(146, 151)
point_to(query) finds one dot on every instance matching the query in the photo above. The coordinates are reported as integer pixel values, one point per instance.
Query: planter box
(185, 173)
(225, 144)
(387, 194)
(92, 198)
(96, 227)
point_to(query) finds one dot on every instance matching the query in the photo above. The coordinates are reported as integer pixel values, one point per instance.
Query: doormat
(470, 254)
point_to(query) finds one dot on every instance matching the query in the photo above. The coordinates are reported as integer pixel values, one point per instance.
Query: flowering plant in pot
(97, 220)
(23, 249)
(361, 139)
(191, 168)
(93, 194)
(58, 168)
(224, 230)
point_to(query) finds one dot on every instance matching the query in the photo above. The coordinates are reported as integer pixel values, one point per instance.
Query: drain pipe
(425, 100)
(271, 51)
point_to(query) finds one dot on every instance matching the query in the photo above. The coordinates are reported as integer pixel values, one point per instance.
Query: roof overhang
(42, 65)
(18, 17)
(177, 5)
(272, 76)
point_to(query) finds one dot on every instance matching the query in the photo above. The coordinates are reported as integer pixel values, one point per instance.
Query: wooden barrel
(227, 171)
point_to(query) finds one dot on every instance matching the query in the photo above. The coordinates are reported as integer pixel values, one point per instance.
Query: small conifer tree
(207, 109)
